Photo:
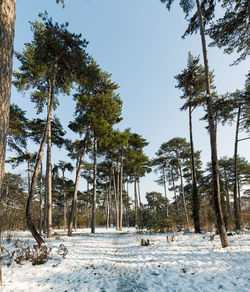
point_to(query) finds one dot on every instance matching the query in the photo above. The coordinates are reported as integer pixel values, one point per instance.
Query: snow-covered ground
(116, 261)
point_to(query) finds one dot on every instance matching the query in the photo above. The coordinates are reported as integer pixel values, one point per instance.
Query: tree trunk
(108, 203)
(28, 165)
(195, 193)
(182, 192)
(1, 280)
(116, 198)
(239, 197)
(175, 195)
(49, 183)
(213, 143)
(165, 188)
(29, 218)
(7, 31)
(136, 201)
(227, 195)
(121, 191)
(64, 204)
(127, 206)
(41, 200)
(87, 219)
(78, 172)
(236, 205)
(94, 187)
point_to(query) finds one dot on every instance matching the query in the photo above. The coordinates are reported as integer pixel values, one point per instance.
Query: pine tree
(202, 15)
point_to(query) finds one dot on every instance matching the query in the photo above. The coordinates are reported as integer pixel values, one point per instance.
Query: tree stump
(144, 242)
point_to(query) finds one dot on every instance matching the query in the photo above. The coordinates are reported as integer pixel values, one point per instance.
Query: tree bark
(121, 191)
(195, 192)
(136, 201)
(94, 188)
(116, 198)
(175, 195)
(1, 280)
(64, 203)
(236, 205)
(227, 195)
(7, 31)
(78, 172)
(108, 203)
(182, 192)
(213, 143)
(165, 188)
(41, 200)
(118, 195)
(49, 183)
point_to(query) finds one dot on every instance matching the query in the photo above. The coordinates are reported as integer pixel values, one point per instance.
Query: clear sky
(140, 43)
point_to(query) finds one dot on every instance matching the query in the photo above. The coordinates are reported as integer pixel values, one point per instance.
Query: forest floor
(116, 261)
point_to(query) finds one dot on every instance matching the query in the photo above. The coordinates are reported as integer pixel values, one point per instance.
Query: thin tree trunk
(64, 204)
(182, 193)
(29, 218)
(236, 205)
(49, 183)
(41, 200)
(127, 207)
(116, 198)
(227, 195)
(239, 197)
(87, 219)
(175, 195)
(78, 172)
(121, 190)
(94, 188)
(195, 192)
(165, 188)
(108, 203)
(136, 201)
(28, 165)
(213, 143)
(139, 192)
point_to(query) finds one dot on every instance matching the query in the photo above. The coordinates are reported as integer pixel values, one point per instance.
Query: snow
(115, 261)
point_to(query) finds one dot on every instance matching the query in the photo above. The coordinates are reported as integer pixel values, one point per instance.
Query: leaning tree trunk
(236, 205)
(195, 193)
(121, 190)
(213, 143)
(78, 172)
(49, 183)
(94, 188)
(29, 218)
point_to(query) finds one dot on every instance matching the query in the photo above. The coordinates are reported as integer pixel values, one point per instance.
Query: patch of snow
(115, 261)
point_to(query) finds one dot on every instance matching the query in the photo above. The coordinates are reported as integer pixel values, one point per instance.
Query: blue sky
(140, 43)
